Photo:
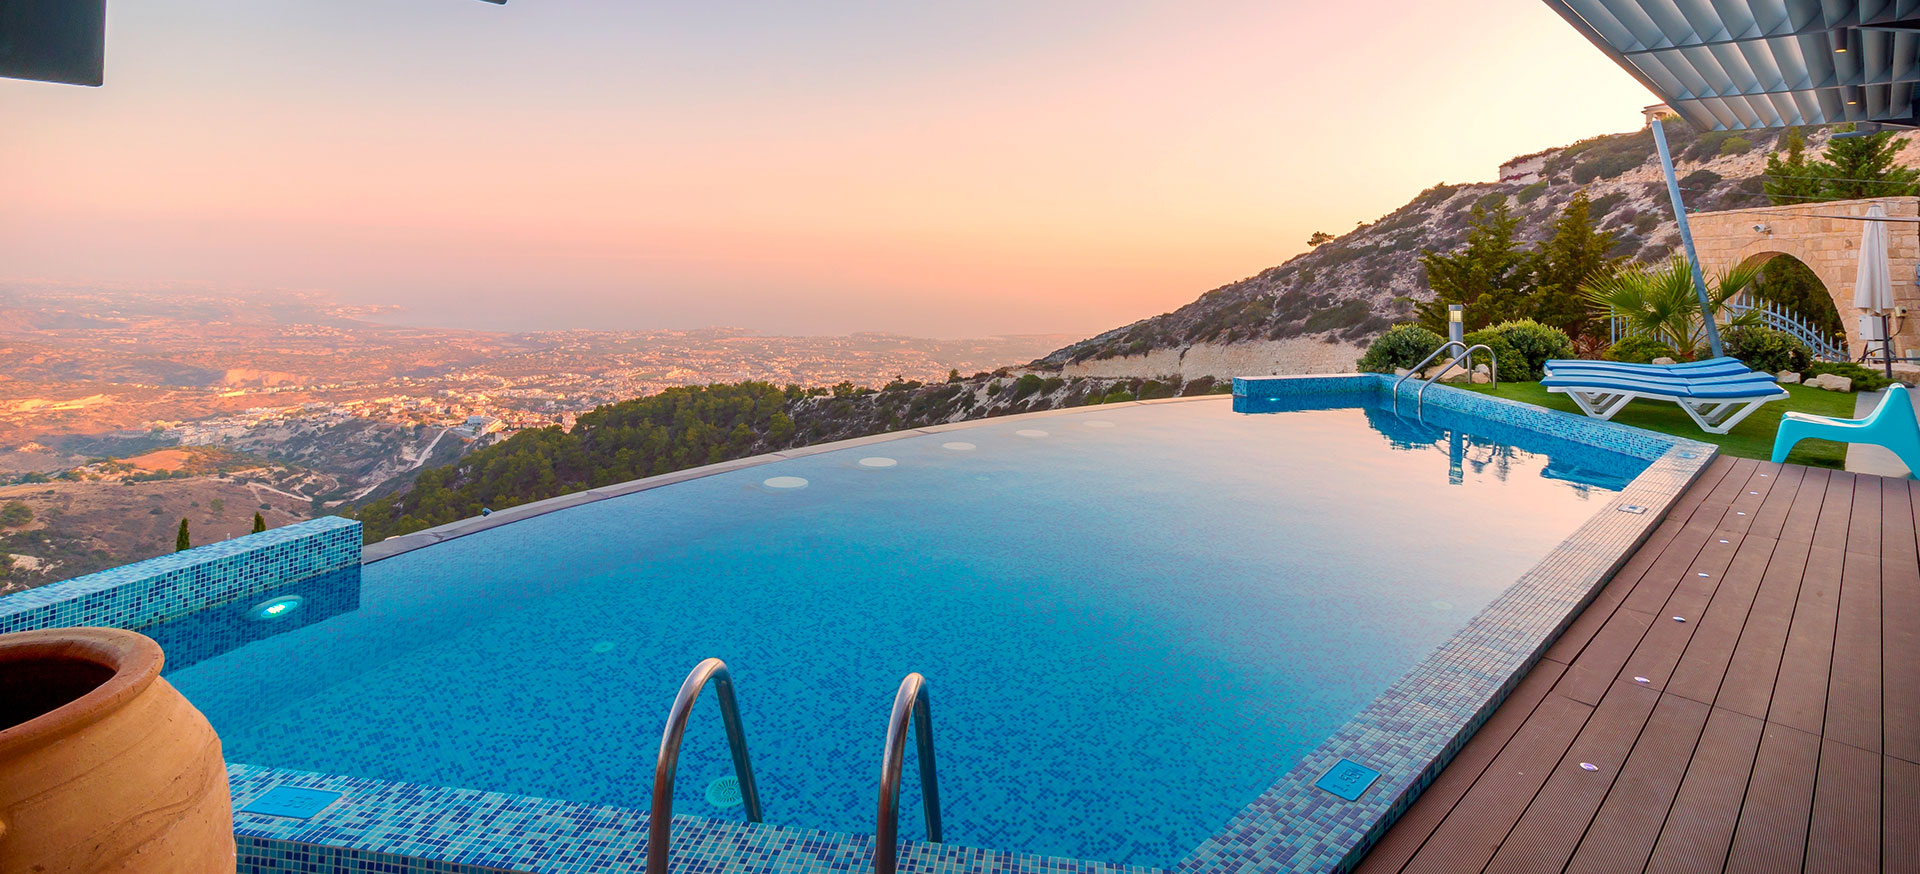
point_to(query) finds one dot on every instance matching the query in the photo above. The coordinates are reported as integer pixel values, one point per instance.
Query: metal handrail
(911, 700)
(1493, 375)
(1416, 369)
(660, 817)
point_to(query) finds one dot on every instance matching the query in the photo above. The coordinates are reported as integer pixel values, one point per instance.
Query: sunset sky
(934, 168)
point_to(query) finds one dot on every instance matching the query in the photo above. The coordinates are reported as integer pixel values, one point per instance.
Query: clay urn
(103, 765)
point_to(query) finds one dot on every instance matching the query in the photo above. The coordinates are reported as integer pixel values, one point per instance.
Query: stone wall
(1226, 360)
(1830, 246)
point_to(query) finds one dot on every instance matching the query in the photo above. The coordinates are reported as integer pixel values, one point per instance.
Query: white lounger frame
(1713, 415)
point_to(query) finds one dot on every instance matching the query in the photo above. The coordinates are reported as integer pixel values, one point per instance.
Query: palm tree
(1659, 301)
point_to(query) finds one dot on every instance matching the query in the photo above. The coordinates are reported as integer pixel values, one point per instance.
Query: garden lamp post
(1456, 327)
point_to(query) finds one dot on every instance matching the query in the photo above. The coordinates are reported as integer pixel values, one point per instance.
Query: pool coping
(1407, 734)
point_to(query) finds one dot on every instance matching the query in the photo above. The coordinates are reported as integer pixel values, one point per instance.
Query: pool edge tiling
(1412, 730)
(1406, 735)
(385, 826)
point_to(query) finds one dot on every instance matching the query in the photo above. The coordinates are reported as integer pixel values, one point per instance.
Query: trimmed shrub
(1513, 365)
(1638, 350)
(1765, 349)
(1536, 343)
(1153, 388)
(1401, 346)
(1864, 379)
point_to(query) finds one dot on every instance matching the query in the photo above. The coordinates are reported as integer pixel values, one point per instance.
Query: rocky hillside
(1316, 312)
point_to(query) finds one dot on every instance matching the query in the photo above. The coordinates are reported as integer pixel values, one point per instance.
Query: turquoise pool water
(1132, 620)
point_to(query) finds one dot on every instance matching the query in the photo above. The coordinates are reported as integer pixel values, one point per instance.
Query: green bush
(1864, 379)
(1536, 343)
(1513, 365)
(1154, 388)
(1401, 346)
(1638, 350)
(1765, 349)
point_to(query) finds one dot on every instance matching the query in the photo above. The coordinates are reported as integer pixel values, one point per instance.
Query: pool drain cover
(724, 792)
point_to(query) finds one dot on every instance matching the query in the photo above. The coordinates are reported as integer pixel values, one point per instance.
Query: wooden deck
(1777, 728)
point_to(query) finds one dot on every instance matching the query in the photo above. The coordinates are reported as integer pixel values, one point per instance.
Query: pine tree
(259, 523)
(1866, 166)
(181, 541)
(1489, 277)
(1574, 255)
(1790, 178)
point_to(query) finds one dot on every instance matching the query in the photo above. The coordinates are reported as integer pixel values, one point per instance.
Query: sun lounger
(1892, 425)
(1715, 403)
(1722, 366)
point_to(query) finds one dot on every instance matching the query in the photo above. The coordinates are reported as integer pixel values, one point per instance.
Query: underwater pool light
(277, 608)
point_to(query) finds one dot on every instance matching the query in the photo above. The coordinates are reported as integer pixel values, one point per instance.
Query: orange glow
(1068, 180)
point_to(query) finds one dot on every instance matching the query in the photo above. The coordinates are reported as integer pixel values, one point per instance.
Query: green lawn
(1752, 438)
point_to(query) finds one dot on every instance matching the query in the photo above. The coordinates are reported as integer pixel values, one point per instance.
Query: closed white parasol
(1873, 285)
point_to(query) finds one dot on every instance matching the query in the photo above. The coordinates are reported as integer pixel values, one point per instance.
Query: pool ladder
(1420, 409)
(910, 704)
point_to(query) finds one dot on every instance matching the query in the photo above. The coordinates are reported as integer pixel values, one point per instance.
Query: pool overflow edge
(1406, 735)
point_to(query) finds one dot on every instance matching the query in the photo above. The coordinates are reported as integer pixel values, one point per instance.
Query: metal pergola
(1743, 64)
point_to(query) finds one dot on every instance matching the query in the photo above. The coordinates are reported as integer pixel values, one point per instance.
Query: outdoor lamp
(1453, 313)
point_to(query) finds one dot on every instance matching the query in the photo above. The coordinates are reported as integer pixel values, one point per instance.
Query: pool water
(1132, 620)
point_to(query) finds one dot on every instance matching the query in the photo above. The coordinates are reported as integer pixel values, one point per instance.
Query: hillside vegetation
(688, 427)
(1349, 288)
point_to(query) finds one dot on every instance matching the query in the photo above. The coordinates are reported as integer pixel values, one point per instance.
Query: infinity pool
(1132, 620)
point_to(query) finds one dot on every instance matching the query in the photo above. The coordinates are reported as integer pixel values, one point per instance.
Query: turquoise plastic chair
(1891, 425)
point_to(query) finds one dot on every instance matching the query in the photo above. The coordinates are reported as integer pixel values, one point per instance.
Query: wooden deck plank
(1805, 512)
(1703, 484)
(1584, 626)
(1741, 512)
(1473, 830)
(1699, 827)
(1779, 727)
(1845, 833)
(1548, 831)
(1677, 620)
(1864, 527)
(1899, 536)
(1704, 663)
(1900, 816)
(1780, 500)
(1800, 694)
(1836, 511)
(1731, 486)
(1589, 677)
(1900, 656)
(1772, 833)
(1622, 835)
(1853, 690)
(1417, 824)
(1755, 666)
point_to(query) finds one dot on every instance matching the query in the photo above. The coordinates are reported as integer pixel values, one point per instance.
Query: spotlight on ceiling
(1837, 40)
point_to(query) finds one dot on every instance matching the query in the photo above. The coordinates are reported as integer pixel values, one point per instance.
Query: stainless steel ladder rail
(1416, 370)
(910, 701)
(660, 817)
(1493, 375)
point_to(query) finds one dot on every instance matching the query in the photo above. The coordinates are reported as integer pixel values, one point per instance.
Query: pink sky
(950, 169)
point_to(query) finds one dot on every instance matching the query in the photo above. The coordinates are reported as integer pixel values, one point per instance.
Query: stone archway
(1829, 246)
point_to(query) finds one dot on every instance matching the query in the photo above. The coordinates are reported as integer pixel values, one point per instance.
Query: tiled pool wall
(172, 586)
(1405, 736)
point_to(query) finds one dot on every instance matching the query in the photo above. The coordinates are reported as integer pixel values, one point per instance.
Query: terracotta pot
(103, 766)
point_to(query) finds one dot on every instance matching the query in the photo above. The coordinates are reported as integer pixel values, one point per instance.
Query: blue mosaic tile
(398, 827)
(176, 584)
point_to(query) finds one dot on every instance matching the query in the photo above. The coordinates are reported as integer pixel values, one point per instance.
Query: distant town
(112, 398)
